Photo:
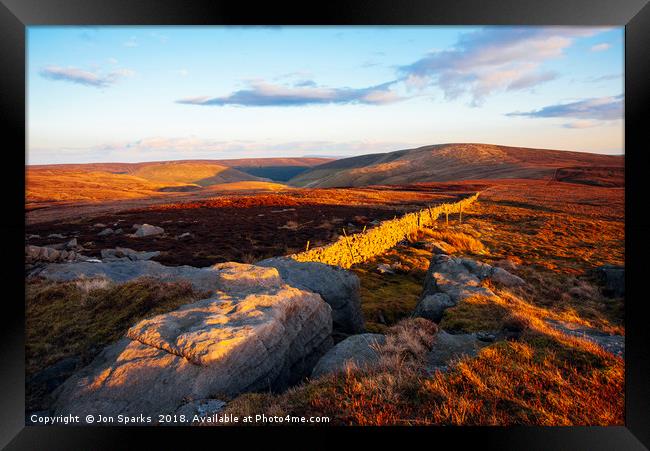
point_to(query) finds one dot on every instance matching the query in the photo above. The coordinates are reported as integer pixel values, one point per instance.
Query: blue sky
(164, 93)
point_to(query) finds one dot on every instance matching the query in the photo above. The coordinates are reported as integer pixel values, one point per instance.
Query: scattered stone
(505, 278)
(35, 254)
(72, 244)
(99, 225)
(384, 268)
(106, 232)
(258, 334)
(458, 278)
(185, 236)
(359, 350)
(33, 237)
(56, 235)
(123, 252)
(448, 347)
(338, 287)
(118, 231)
(148, 230)
(433, 306)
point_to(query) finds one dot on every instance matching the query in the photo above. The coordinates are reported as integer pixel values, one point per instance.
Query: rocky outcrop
(255, 333)
(448, 347)
(123, 252)
(36, 254)
(123, 270)
(358, 350)
(449, 280)
(338, 287)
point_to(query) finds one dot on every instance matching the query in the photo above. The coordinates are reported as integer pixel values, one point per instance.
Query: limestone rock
(503, 277)
(123, 252)
(359, 350)
(458, 278)
(433, 306)
(148, 230)
(338, 287)
(447, 347)
(106, 232)
(246, 338)
(123, 270)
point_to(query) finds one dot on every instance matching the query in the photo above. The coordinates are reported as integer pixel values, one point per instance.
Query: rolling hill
(97, 182)
(448, 162)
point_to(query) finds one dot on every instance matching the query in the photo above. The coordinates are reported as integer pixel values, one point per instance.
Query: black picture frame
(15, 15)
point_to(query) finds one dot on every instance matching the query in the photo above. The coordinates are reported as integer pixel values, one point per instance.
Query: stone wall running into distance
(360, 247)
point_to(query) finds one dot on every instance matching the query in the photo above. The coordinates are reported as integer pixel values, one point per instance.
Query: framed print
(379, 219)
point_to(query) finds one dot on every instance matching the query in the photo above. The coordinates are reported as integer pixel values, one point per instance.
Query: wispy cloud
(83, 77)
(603, 78)
(600, 47)
(305, 92)
(493, 59)
(586, 112)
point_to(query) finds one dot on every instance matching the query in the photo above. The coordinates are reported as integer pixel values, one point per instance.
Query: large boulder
(449, 280)
(359, 350)
(256, 333)
(338, 287)
(448, 347)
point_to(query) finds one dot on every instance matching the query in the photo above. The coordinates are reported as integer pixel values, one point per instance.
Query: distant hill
(191, 171)
(449, 162)
(111, 181)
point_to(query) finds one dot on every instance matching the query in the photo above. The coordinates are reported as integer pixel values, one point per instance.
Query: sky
(129, 94)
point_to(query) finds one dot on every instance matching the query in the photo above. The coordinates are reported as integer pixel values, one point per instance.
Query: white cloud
(601, 47)
(83, 77)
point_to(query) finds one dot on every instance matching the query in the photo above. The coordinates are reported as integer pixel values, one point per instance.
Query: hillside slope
(446, 162)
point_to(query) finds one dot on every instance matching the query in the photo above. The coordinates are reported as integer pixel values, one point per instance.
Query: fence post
(307, 247)
(446, 215)
(460, 214)
(349, 246)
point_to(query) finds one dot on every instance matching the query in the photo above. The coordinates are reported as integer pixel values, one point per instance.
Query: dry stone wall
(360, 247)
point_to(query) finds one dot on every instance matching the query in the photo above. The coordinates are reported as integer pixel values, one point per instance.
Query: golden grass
(459, 240)
(538, 381)
(79, 318)
(68, 185)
